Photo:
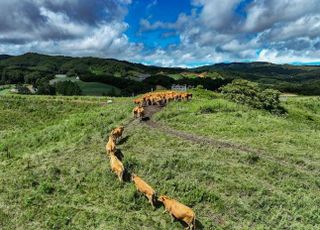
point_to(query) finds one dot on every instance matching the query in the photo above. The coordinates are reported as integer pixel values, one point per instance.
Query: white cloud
(269, 30)
(217, 14)
(280, 30)
(291, 56)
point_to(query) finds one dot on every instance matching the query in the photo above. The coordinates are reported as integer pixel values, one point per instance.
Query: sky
(184, 33)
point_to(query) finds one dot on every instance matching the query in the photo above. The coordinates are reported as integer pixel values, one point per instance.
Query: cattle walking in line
(176, 209)
(116, 166)
(144, 188)
(161, 98)
(179, 211)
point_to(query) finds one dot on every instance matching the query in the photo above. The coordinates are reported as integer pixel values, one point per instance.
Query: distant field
(5, 89)
(192, 75)
(57, 176)
(97, 89)
(91, 88)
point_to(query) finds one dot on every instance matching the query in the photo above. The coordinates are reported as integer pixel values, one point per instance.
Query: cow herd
(173, 207)
(157, 98)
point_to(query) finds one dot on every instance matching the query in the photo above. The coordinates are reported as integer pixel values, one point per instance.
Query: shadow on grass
(145, 119)
(127, 176)
(198, 226)
(123, 140)
(119, 154)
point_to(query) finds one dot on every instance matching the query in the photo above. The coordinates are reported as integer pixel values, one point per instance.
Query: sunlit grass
(56, 173)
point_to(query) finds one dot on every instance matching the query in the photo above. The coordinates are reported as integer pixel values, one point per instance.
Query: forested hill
(64, 64)
(300, 79)
(133, 77)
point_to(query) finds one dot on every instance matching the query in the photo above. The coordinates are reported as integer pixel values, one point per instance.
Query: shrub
(249, 93)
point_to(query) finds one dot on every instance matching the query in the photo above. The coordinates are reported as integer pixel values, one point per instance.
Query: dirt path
(151, 110)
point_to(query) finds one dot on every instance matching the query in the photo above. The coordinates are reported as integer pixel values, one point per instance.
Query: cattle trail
(151, 110)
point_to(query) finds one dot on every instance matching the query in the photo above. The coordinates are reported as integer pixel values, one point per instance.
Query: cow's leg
(172, 218)
(151, 201)
(120, 175)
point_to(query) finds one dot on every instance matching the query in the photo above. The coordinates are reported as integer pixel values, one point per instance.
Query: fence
(179, 87)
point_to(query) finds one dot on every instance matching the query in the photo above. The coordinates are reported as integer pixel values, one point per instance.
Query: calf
(116, 166)
(111, 145)
(179, 211)
(144, 188)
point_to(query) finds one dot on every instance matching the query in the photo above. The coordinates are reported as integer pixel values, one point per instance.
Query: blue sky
(153, 11)
(165, 32)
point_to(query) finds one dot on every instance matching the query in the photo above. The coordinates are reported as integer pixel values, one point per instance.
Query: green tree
(44, 88)
(249, 93)
(67, 88)
(31, 78)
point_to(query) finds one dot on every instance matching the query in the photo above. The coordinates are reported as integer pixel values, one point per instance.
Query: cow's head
(163, 198)
(133, 176)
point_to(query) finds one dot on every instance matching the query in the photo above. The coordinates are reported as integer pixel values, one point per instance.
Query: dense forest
(38, 70)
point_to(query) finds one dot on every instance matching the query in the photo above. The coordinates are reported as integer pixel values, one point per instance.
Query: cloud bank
(213, 31)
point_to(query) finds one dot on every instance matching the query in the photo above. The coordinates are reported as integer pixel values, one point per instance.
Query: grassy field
(57, 176)
(97, 89)
(5, 89)
(91, 88)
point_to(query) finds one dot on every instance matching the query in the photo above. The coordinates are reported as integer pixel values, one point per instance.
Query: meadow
(56, 173)
(91, 88)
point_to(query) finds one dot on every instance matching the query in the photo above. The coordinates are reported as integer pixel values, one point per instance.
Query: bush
(249, 93)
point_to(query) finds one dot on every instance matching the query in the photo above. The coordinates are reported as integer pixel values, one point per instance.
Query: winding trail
(151, 110)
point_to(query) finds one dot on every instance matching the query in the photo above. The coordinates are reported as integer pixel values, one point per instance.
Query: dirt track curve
(151, 110)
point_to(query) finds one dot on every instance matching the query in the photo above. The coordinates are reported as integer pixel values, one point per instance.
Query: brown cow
(117, 132)
(135, 111)
(116, 166)
(179, 211)
(140, 112)
(144, 188)
(184, 96)
(137, 101)
(111, 145)
(189, 96)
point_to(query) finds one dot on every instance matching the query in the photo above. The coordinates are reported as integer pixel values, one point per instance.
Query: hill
(4, 56)
(286, 78)
(137, 78)
(237, 167)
